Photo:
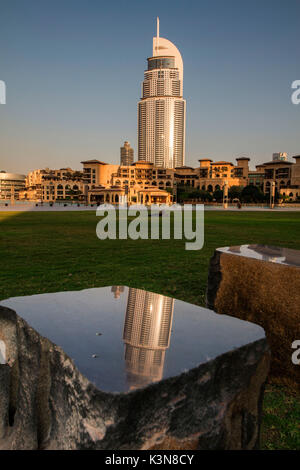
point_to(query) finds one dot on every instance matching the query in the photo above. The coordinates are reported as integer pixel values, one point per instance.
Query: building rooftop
(142, 162)
(221, 162)
(184, 168)
(277, 162)
(94, 161)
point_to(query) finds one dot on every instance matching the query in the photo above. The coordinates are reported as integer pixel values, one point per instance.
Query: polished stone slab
(122, 338)
(118, 368)
(268, 253)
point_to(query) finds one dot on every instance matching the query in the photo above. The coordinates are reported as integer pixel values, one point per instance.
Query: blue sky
(73, 71)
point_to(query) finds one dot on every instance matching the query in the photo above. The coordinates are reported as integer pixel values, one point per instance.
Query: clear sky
(73, 71)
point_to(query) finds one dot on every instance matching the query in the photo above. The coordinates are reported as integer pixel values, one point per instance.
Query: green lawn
(55, 251)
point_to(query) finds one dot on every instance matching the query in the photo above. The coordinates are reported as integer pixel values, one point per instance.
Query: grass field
(55, 251)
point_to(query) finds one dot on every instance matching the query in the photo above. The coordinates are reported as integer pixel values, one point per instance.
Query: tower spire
(157, 34)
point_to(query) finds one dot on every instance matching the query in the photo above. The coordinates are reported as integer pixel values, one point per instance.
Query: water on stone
(122, 338)
(272, 254)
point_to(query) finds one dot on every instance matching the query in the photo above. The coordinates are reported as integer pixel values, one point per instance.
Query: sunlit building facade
(49, 185)
(11, 184)
(161, 110)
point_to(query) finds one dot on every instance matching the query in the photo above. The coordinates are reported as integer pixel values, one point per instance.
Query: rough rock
(265, 293)
(46, 403)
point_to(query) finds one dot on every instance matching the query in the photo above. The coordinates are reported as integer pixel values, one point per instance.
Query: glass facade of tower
(161, 63)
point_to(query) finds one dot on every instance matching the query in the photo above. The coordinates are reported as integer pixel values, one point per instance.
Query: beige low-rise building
(139, 183)
(53, 185)
(213, 175)
(136, 195)
(143, 182)
(141, 174)
(11, 185)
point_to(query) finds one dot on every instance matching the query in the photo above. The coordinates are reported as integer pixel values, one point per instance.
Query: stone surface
(261, 284)
(47, 403)
(123, 338)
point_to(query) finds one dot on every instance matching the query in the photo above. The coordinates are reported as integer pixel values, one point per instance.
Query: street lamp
(272, 195)
(225, 195)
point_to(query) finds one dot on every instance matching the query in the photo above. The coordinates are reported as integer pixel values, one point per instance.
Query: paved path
(19, 207)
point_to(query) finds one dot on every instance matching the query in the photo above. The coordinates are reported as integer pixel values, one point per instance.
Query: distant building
(280, 156)
(10, 185)
(212, 175)
(143, 182)
(46, 185)
(139, 183)
(126, 154)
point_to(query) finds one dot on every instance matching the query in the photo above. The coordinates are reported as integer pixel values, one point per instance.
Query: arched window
(209, 188)
(203, 187)
(116, 198)
(107, 197)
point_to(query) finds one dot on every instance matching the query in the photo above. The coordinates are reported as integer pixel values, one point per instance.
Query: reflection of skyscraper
(161, 110)
(117, 291)
(146, 335)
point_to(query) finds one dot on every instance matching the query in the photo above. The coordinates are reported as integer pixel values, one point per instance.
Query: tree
(218, 195)
(235, 192)
(252, 193)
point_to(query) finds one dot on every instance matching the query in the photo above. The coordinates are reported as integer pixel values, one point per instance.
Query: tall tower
(161, 110)
(126, 154)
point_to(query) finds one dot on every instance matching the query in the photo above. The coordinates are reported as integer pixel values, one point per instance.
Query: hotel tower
(161, 110)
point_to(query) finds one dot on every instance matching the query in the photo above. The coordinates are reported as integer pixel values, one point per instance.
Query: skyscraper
(126, 154)
(161, 110)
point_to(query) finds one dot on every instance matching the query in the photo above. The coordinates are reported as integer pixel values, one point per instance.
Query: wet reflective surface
(273, 254)
(123, 338)
(2, 352)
